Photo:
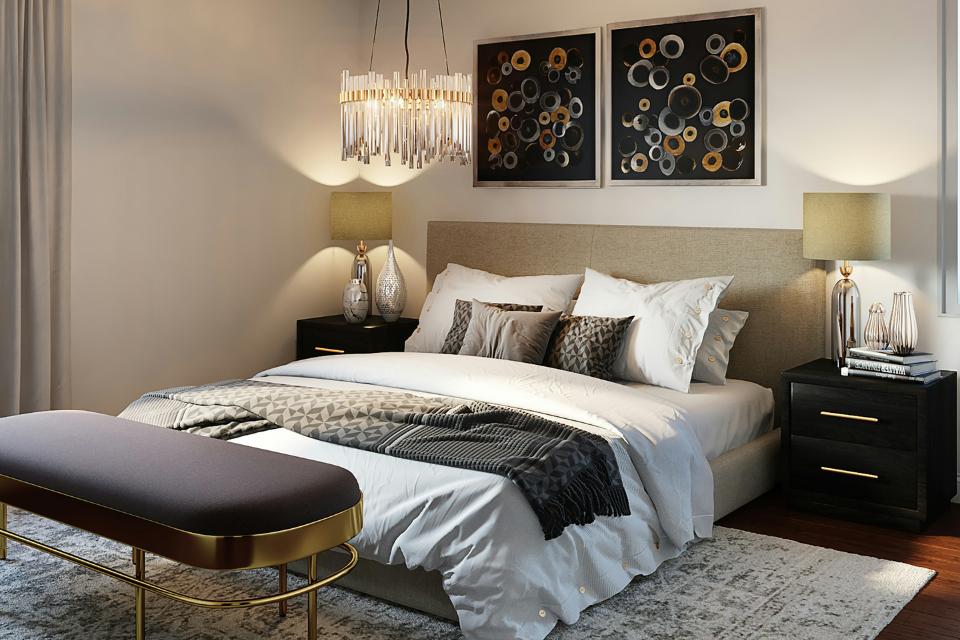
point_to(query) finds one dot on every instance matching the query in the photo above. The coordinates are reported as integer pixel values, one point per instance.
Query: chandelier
(417, 118)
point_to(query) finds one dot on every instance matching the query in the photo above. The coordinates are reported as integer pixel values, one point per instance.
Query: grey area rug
(737, 585)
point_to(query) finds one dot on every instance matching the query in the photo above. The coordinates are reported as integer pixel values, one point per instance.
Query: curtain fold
(35, 118)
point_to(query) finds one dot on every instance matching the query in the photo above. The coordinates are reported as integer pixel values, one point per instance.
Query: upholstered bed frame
(783, 292)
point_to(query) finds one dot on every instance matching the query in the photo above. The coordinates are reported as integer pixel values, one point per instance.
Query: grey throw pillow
(587, 344)
(713, 357)
(462, 313)
(521, 336)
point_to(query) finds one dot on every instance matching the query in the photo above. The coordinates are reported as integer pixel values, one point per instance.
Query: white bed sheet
(477, 530)
(723, 417)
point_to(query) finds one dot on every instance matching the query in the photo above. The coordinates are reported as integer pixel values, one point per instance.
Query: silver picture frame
(758, 108)
(598, 136)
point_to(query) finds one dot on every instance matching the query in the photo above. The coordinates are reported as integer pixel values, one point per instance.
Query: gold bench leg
(3, 525)
(283, 588)
(312, 599)
(140, 561)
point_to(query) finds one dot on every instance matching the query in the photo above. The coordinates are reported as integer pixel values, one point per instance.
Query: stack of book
(885, 364)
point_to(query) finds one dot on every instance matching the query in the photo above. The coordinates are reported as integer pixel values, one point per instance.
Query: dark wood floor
(934, 613)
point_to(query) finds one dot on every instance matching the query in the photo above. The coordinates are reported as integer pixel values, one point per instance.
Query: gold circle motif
(503, 123)
(493, 146)
(644, 104)
(499, 100)
(674, 145)
(562, 114)
(648, 47)
(638, 163)
(689, 79)
(547, 139)
(543, 118)
(712, 162)
(503, 56)
(735, 46)
(520, 60)
(558, 58)
(721, 114)
(690, 134)
(626, 120)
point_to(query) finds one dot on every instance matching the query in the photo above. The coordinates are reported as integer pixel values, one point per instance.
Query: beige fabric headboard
(783, 291)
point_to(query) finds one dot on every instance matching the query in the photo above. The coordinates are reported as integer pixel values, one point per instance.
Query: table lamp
(358, 217)
(846, 226)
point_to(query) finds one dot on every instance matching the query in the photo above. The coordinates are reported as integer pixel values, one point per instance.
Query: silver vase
(875, 334)
(356, 301)
(903, 324)
(391, 288)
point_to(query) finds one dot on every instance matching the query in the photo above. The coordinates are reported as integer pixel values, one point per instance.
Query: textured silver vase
(875, 334)
(903, 324)
(391, 288)
(356, 301)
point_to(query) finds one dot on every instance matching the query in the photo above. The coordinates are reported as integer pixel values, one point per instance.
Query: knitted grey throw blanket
(569, 476)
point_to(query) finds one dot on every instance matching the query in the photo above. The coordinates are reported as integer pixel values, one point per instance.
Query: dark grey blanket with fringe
(568, 476)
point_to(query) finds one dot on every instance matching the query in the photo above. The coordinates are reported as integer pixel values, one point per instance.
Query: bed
(462, 544)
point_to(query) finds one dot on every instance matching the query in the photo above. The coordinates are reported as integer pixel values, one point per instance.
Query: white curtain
(35, 98)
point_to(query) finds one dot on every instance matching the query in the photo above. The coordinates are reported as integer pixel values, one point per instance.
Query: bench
(194, 500)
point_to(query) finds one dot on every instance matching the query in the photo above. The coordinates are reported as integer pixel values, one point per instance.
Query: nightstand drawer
(331, 335)
(871, 474)
(852, 415)
(320, 343)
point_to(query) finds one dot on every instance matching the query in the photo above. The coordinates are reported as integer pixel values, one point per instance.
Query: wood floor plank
(934, 614)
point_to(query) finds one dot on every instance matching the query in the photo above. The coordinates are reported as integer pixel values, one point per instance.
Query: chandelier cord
(443, 37)
(373, 45)
(406, 45)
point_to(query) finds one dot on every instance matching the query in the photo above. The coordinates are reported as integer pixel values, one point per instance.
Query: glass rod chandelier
(418, 118)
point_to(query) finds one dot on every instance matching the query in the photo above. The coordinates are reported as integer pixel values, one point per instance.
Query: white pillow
(670, 318)
(458, 282)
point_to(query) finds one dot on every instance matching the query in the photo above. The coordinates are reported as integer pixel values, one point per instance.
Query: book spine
(874, 356)
(882, 376)
(881, 367)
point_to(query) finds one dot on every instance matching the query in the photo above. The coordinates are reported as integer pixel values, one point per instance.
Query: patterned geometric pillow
(587, 344)
(461, 320)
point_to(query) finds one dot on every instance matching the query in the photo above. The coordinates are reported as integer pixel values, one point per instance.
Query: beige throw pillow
(521, 336)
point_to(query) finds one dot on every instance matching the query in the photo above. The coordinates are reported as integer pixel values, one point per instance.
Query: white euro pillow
(457, 282)
(670, 319)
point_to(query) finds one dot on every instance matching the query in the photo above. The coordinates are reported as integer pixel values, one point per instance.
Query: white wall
(206, 144)
(852, 104)
(205, 138)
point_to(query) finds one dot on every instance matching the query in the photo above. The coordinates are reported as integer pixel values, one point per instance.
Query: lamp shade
(361, 215)
(846, 226)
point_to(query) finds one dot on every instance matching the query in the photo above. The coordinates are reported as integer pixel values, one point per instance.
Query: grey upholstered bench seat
(194, 500)
(190, 482)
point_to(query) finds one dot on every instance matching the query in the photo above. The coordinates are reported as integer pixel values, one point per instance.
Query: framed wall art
(537, 110)
(685, 100)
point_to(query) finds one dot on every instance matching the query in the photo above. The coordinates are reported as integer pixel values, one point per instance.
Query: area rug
(737, 585)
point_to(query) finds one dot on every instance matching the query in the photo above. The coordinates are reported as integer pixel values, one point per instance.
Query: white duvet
(476, 529)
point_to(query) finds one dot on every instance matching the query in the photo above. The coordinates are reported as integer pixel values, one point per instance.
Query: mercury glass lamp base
(845, 308)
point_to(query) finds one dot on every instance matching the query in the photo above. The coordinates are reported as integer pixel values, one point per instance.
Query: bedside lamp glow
(358, 217)
(846, 226)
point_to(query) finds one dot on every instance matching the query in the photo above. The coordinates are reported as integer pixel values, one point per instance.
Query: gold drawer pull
(844, 472)
(848, 416)
(327, 350)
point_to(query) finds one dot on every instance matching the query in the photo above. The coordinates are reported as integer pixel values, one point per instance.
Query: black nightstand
(333, 334)
(870, 450)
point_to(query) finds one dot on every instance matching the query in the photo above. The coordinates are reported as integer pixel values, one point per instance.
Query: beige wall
(205, 137)
(843, 113)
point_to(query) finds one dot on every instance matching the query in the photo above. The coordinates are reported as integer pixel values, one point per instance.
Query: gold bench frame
(337, 525)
